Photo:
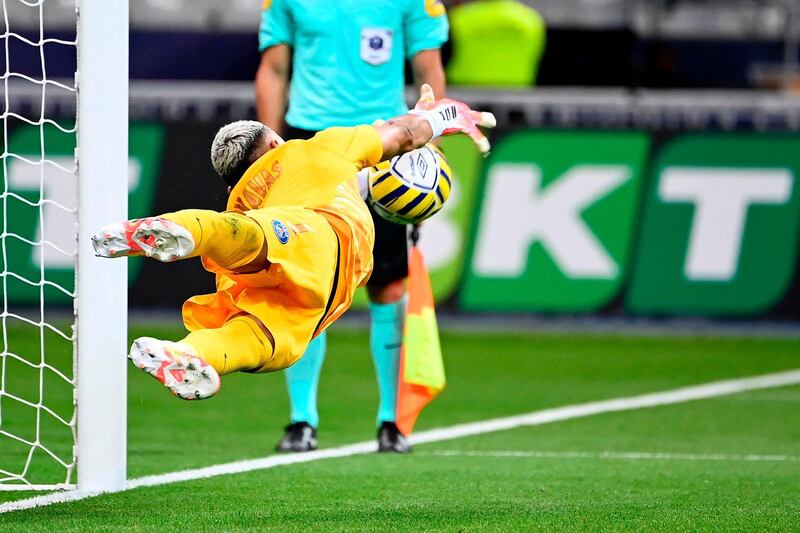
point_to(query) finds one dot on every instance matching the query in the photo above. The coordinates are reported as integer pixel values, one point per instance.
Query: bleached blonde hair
(234, 148)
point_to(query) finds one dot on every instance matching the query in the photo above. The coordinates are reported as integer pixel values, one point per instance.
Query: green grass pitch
(602, 472)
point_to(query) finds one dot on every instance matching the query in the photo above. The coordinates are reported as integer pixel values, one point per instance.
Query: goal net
(60, 422)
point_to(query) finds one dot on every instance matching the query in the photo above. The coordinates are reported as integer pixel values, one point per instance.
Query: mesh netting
(37, 245)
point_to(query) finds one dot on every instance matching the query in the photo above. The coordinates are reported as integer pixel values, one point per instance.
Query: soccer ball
(410, 187)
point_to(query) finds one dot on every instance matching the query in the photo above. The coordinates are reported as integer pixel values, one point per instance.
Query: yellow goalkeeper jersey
(320, 235)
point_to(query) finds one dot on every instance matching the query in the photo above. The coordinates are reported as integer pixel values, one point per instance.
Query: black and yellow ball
(411, 187)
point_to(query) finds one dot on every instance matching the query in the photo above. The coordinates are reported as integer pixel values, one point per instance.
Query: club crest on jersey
(376, 45)
(281, 231)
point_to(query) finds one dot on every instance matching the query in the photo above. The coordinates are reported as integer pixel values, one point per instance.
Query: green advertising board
(555, 224)
(443, 238)
(40, 203)
(720, 226)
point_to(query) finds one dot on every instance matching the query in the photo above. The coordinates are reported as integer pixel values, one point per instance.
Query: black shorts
(391, 242)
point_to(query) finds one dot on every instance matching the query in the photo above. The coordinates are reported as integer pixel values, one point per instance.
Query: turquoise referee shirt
(348, 55)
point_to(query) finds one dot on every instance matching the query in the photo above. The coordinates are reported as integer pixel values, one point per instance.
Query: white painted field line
(685, 394)
(545, 416)
(625, 456)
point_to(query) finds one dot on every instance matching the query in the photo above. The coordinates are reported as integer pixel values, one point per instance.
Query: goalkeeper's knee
(231, 240)
(242, 344)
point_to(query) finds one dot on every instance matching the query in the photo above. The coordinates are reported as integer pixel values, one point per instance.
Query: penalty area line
(545, 416)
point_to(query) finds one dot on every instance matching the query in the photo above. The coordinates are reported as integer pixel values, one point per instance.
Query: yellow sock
(231, 240)
(238, 346)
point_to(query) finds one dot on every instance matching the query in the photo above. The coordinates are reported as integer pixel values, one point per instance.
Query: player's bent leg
(191, 368)
(242, 344)
(177, 366)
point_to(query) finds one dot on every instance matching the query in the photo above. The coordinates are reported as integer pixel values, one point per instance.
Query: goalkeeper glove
(447, 116)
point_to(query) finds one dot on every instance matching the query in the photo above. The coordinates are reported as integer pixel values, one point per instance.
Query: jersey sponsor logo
(266, 5)
(281, 231)
(300, 228)
(376, 45)
(434, 8)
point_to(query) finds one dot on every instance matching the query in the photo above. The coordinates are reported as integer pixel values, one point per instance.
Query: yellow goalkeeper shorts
(292, 297)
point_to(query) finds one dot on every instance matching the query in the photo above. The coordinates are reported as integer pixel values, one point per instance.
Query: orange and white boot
(154, 237)
(176, 366)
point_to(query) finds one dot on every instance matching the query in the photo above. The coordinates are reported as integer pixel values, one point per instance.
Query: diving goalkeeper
(290, 251)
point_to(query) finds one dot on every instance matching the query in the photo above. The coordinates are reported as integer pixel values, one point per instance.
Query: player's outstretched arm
(404, 134)
(430, 119)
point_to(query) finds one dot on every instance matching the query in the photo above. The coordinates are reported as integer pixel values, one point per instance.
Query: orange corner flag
(421, 366)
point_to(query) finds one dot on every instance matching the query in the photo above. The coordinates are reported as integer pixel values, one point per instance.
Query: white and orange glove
(447, 116)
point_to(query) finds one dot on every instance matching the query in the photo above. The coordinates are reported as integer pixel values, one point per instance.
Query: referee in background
(347, 62)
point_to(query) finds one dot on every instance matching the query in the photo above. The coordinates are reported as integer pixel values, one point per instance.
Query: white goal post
(63, 392)
(101, 305)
